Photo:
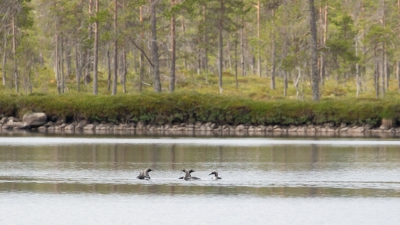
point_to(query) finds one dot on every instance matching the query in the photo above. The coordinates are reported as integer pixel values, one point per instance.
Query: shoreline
(203, 129)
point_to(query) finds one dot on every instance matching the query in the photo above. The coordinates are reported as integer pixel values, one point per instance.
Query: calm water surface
(69, 180)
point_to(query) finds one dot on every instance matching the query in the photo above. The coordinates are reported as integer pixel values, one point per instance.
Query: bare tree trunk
(205, 43)
(86, 76)
(68, 57)
(236, 60)
(258, 39)
(108, 71)
(285, 83)
(4, 59)
(124, 69)
(314, 56)
(228, 49)
(324, 16)
(296, 83)
(62, 65)
(242, 48)
(183, 33)
(398, 62)
(78, 68)
(253, 63)
(141, 59)
(199, 57)
(273, 53)
(88, 68)
(384, 70)
(383, 64)
(358, 80)
(385, 58)
(220, 47)
(173, 52)
(57, 62)
(114, 85)
(154, 46)
(30, 86)
(398, 75)
(96, 51)
(285, 53)
(14, 50)
(376, 74)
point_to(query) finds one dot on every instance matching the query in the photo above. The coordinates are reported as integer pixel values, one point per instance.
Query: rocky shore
(39, 122)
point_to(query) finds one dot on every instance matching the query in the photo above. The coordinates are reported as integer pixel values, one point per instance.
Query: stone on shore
(34, 119)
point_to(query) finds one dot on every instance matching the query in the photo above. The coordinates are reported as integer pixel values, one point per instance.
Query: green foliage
(341, 42)
(192, 107)
(378, 34)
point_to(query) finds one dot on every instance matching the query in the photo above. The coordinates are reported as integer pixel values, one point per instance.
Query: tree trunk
(30, 86)
(236, 60)
(114, 84)
(377, 69)
(141, 73)
(173, 52)
(242, 48)
(398, 62)
(296, 83)
(124, 70)
(96, 51)
(57, 62)
(141, 59)
(273, 54)
(285, 54)
(86, 76)
(385, 73)
(220, 46)
(154, 46)
(88, 55)
(376, 74)
(183, 34)
(14, 51)
(78, 68)
(4, 59)
(324, 16)
(358, 80)
(273, 66)
(68, 58)
(199, 57)
(62, 65)
(258, 39)
(285, 83)
(398, 75)
(382, 72)
(314, 56)
(228, 49)
(108, 71)
(205, 43)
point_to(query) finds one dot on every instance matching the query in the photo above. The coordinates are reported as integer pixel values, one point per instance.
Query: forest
(262, 49)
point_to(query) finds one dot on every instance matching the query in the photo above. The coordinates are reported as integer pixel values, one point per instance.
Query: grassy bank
(191, 107)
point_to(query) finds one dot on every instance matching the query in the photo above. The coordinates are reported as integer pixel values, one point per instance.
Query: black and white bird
(215, 177)
(188, 175)
(144, 174)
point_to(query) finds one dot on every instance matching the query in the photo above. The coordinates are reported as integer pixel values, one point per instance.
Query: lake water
(92, 180)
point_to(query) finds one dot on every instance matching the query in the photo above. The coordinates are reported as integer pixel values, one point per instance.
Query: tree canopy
(78, 45)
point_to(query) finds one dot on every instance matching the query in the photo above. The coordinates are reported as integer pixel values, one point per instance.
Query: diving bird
(188, 175)
(215, 177)
(144, 174)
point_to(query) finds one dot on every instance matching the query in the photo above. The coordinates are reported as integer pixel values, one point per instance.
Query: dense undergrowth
(191, 107)
(197, 98)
